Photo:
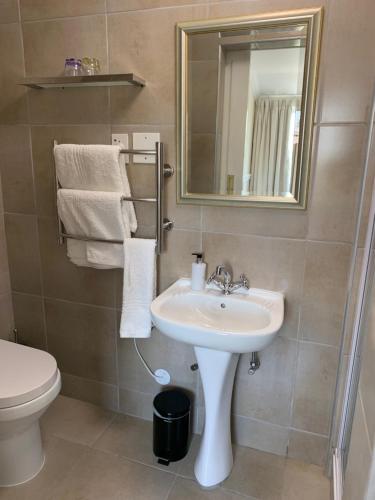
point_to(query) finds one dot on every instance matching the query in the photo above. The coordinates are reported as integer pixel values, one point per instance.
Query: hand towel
(139, 287)
(94, 214)
(96, 167)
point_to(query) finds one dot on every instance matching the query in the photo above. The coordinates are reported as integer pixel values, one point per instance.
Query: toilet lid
(25, 373)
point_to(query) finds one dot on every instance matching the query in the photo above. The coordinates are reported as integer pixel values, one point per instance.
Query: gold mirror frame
(313, 18)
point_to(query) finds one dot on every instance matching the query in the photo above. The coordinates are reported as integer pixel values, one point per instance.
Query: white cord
(143, 361)
(161, 376)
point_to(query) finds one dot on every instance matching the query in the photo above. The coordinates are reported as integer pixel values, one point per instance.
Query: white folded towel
(95, 214)
(91, 167)
(139, 287)
(94, 168)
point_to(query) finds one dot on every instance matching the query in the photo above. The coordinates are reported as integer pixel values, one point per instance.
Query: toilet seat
(25, 373)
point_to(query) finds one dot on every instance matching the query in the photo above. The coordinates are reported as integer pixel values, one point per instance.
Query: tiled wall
(360, 472)
(6, 308)
(73, 312)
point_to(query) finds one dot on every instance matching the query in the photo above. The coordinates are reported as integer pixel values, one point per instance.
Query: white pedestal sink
(220, 328)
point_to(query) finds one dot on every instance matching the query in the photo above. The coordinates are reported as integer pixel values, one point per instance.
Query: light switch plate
(145, 140)
(121, 140)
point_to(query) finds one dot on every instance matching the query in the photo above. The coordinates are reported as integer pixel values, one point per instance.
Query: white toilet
(29, 382)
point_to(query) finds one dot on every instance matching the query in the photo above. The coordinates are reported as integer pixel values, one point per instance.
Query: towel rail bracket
(162, 223)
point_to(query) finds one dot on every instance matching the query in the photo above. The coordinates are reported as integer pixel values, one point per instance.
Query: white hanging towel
(96, 167)
(139, 287)
(95, 214)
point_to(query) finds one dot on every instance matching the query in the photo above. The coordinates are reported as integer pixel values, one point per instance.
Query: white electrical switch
(121, 140)
(145, 140)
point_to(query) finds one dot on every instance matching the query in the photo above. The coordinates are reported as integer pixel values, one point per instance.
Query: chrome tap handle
(245, 281)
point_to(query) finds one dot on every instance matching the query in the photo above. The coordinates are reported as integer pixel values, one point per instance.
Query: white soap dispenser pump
(198, 273)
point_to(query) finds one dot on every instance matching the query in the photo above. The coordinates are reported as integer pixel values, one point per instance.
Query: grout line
(110, 422)
(62, 18)
(171, 487)
(57, 299)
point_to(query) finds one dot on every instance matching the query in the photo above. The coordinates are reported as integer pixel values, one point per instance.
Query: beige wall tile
(346, 94)
(13, 107)
(160, 352)
(175, 261)
(4, 265)
(137, 31)
(6, 315)
(69, 106)
(82, 339)
(16, 169)
(259, 435)
(337, 175)
(9, 11)
(369, 181)
(42, 142)
(202, 163)
(74, 37)
(91, 391)
(270, 263)
(125, 5)
(310, 448)
(64, 280)
(242, 8)
(359, 458)
(29, 320)
(136, 403)
(44, 9)
(183, 216)
(315, 384)
(257, 221)
(324, 292)
(23, 253)
(266, 395)
(203, 80)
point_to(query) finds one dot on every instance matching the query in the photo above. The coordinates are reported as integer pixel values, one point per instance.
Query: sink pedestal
(215, 459)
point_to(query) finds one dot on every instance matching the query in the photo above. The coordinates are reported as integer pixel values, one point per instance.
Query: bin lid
(172, 403)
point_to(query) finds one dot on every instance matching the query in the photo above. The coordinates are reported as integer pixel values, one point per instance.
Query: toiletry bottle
(198, 273)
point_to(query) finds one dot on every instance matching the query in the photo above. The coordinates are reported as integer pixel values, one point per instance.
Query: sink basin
(244, 321)
(219, 327)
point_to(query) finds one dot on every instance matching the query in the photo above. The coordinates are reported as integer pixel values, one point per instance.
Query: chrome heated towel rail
(162, 223)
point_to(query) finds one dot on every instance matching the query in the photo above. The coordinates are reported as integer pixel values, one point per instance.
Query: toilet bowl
(29, 382)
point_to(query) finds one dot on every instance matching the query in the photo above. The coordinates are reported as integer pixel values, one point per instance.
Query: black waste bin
(171, 426)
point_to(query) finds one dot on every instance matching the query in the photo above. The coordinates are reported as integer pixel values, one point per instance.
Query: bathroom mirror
(246, 94)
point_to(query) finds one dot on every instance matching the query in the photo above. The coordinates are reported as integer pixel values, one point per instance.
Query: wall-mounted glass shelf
(83, 81)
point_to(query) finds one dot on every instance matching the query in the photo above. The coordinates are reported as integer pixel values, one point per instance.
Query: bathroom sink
(220, 327)
(245, 321)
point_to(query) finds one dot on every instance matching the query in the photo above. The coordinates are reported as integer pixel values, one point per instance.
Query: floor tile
(301, 477)
(131, 438)
(61, 457)
(185, 489)
(256, 474)
(101, 475)
(186, 465)
(75, 420)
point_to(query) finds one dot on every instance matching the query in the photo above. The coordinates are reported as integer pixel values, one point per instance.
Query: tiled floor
(93, 454)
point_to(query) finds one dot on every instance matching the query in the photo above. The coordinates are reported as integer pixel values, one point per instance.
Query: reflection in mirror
(246, 98)
(245, 107)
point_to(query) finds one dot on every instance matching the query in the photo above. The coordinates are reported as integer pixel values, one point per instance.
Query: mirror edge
(314, 19)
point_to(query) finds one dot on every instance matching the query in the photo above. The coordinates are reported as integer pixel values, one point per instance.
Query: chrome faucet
(225, 283)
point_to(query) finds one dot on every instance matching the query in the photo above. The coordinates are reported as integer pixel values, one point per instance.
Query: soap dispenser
(198, 273)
